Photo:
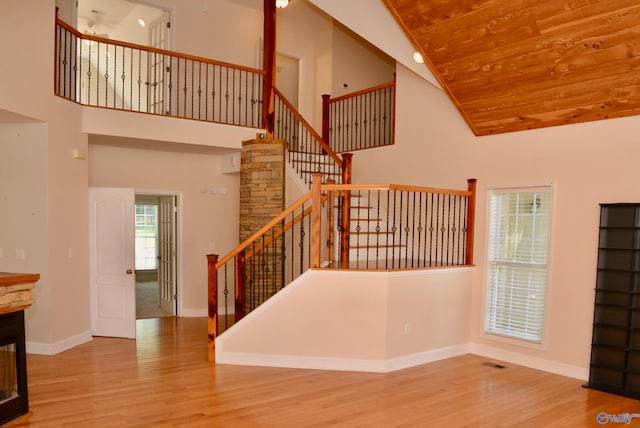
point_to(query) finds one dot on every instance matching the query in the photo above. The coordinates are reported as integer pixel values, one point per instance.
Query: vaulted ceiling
(511, 65)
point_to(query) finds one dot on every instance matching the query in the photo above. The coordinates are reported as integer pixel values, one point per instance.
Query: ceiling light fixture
(282, 3)
(141, 22)
(417, 57)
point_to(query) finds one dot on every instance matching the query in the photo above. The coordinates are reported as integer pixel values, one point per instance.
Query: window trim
(503, 338)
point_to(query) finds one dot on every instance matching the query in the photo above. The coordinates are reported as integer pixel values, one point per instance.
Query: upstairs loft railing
(341, 226)
(306, 150)
(99, 72)
(361, 120)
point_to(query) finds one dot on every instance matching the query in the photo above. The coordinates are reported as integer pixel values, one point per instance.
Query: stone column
(262, 197)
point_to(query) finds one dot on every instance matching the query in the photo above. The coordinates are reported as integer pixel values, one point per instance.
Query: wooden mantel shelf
(7, 278)
(16, 291)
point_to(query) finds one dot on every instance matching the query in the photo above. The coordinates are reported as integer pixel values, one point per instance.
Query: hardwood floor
(163, 380)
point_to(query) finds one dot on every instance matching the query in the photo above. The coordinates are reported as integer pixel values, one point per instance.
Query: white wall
(220, 29)
(589, 163)
(26, 88)
(306, 33)
(363, 321)
(357, 64)
(209, 220)
(23, 214)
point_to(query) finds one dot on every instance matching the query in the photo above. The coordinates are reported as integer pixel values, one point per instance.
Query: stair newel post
(316, 214)
(471, 215)
(347, 159)
(239, 298)
(325, 119)
(345, 219)
(330, 205)
(269, 66)
(212, 304)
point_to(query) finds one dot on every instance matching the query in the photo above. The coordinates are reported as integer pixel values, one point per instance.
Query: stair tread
(362, 247)
(312, 162)
(322, 172)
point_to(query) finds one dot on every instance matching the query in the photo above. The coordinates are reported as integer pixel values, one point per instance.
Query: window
(146, 237)
(517, 268)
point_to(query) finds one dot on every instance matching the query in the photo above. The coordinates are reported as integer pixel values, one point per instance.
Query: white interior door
(167, 253)
(112, 261)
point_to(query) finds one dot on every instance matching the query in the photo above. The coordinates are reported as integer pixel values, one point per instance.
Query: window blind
(517, 268)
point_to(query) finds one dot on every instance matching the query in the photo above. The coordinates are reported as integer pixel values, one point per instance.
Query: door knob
(129, 271)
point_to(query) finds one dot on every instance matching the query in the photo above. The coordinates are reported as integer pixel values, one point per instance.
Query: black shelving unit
(615, 346)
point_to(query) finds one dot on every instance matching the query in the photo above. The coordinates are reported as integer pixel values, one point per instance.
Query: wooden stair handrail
(280, 232)
(298, 116)
(282, 216)
(352, 187)
(362, 92)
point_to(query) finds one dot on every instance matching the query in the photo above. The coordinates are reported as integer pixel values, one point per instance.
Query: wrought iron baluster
(185, 89)
(226, 295)
(197, 91)
(419, 243)
(413, 228)
(378, 228)
(431, 246)
(457, 206)
(206, 91)
(388, 230)
(246, 104)
(98, 74)
(301, 242)
(368, 223)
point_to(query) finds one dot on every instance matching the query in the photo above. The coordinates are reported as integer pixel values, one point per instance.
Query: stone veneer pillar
(262, 197)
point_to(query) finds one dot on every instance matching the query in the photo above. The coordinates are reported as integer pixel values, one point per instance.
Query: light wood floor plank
(164, 380)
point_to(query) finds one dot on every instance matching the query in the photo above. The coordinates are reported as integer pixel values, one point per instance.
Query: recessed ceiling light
(141, 22)
(282, 3)
(417, 57)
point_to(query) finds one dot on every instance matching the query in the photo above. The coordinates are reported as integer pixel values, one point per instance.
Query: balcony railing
(307, 151)
(343, 226)
(99, 72)
(361, 120)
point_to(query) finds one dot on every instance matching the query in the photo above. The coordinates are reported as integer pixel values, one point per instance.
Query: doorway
(288, 78)
(112, 257)
(155, 255)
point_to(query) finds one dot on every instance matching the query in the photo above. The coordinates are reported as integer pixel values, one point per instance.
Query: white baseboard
(343, 364)
(425, 357)
(57, 347)
(576, 372)
(194, 313)
(299, 362)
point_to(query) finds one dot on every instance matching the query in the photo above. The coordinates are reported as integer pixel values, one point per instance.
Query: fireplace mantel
(16, 291)
(16, 294)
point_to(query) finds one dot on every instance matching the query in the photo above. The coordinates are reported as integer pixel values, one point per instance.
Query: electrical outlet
(407, 328)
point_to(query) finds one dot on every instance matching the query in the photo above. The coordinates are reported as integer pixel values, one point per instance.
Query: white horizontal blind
(518, 249)
(146, 237)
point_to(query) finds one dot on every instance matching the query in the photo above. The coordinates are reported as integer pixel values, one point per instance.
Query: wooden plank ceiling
(511, 65)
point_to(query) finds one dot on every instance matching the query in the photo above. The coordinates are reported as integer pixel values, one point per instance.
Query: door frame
(179, 248)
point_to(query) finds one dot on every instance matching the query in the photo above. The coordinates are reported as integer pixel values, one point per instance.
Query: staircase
(369, 236)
